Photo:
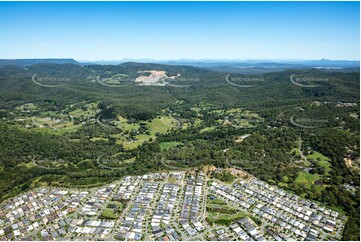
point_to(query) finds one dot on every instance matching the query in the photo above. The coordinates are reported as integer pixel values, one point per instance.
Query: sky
(180, 30)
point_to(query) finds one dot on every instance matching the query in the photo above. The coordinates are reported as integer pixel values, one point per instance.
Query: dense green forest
(71, 130)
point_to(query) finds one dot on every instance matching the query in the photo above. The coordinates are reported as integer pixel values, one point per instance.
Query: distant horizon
(181, 59)
(106, 31)
(206, 59)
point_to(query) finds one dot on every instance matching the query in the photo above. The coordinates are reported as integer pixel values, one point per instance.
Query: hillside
(193, 85)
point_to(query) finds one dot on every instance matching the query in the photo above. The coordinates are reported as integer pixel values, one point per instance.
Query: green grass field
(207, 129)
(321, 160)
(307, 178)
(118, 204)
(160, 125)
(58, 131)
(140, 140)
(27, 106)
(27, 165)
(125, 126)
(45, 123)
(58, 122)
(108, 213)
(98, 139)
(296, 150)
(216, 201)
(223, 208)
(168, 145)
(90, 110)
(224, 219)
(71, 128)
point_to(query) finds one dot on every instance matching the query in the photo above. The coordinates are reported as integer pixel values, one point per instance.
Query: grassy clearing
(207, 129)
(58, 122)
(307, 179)
(185, 125)
(74, 140)
(198, 122)
(234, 110)
(89, 110)
(223, 219)
(112, 211)
(49, 113)
(321, 160)
(120, 138)
(161, 125)
(45, 124)
(27, 165)
(141, 138)
(37, 183)
(316, 156)
(108, 213)
(27, 106)
(47, 121)
(131, 145)
(238, 117)
(325, 164)
(128, 161)
(283, 184)
(71, 128)
(118, 206)
(172, 179)
(216, 201)
(295, 151)
(98, 139)
(126, 126)
(168, 145)
(219, 206)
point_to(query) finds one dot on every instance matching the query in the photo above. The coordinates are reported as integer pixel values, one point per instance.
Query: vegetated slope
(275, 90)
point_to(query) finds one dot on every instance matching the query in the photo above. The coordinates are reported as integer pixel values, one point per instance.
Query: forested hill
(76, 83)
(28, 62)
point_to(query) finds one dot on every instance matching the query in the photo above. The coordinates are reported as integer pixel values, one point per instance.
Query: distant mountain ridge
(246, 62)
(271, 63)
(29, 62)
(246, 66)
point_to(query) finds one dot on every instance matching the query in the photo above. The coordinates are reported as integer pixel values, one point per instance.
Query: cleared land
(307, 179)
(168, 145)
